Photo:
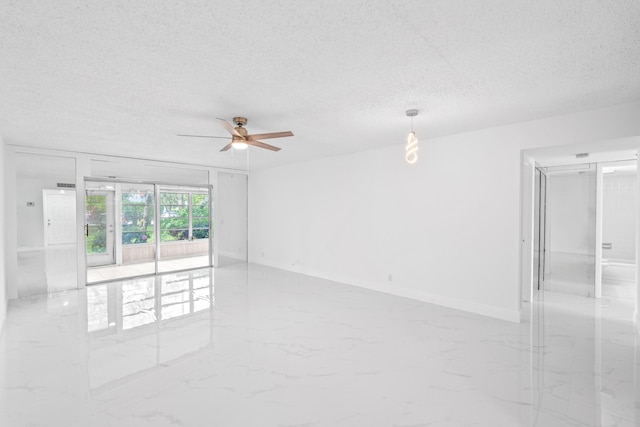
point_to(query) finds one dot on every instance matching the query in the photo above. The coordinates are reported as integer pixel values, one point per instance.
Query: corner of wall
(3, 273)
(636, 313)
(514, 316)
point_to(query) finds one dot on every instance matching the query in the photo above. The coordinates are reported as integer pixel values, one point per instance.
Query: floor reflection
(46, 269)
(116, 272)
(585, 361)
(139, 324)
(280, 348)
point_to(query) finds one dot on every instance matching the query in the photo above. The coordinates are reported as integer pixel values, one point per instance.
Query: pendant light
(411, 149)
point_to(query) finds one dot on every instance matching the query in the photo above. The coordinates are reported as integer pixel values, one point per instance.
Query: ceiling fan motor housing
(240, 121)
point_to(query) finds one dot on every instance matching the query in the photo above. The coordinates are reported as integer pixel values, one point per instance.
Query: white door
(59, 217)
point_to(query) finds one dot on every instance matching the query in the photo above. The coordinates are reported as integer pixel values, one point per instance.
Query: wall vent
(65, 185)
(582, 155)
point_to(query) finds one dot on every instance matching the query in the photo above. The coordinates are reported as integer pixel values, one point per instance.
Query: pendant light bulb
(411, 149)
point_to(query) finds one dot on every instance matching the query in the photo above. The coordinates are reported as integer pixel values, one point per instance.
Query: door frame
(540, 202)
(610, 150)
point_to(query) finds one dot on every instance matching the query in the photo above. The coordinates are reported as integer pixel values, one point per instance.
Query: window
(137, 217)
(184, 216)
(174, 217)
(200, 216)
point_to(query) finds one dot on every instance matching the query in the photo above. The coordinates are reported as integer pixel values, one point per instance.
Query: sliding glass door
(135, 229)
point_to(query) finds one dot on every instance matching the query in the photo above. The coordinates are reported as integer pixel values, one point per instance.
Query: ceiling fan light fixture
(239, 145)
(241, 139)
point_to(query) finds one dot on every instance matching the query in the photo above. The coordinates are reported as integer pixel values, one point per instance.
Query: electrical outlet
(390, 277)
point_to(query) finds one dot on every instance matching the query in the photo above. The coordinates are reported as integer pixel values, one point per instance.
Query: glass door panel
(124, 247)
(99, 227)
(184, 228)
(570, 227)
(137, 229)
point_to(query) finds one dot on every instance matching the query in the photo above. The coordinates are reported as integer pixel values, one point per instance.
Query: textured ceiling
(124, 77)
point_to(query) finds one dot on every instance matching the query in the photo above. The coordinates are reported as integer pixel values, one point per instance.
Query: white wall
(636, 314)
(528, 256)
(446, 229)
(35, 173)
(3, 274)
(230, 216)
(619, 219)
(31, 218)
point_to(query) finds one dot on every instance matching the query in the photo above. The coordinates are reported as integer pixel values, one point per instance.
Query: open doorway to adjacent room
(46, 223)
(585, 229)
(580, 206)
(579, 234)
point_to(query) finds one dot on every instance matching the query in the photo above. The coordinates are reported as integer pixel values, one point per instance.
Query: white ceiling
(124, 77)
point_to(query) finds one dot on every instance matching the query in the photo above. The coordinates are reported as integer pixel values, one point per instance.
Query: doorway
(585, 229)
(570, 229)
(46, 230)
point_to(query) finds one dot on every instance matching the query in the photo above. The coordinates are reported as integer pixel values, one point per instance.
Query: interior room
(319, 213)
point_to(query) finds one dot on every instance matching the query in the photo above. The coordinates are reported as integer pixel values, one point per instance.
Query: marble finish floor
(247, 345)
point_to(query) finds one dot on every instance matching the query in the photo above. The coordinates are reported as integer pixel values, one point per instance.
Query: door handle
(86, 230)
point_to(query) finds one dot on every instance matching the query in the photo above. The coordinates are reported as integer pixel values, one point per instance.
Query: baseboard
(233, 255)
(415, 294)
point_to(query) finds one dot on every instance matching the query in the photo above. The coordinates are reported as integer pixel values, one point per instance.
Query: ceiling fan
(240, 139)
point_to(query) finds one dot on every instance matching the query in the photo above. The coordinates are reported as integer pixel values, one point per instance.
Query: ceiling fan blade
(203, 136)
(229, 128)
(226, 147)
(262, 145)
(269, 135)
